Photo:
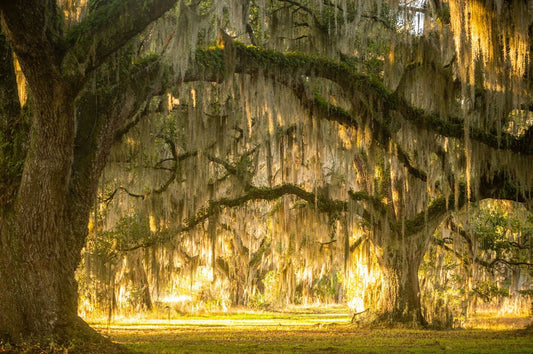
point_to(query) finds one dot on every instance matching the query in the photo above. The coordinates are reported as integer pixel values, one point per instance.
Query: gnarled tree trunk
(44, 232)
(400, 258)
(401, 288)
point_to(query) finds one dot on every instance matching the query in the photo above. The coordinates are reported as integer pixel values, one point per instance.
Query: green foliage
(496, 223)
(503, 230)
(272, 288)
(488, 291)
(327, 287)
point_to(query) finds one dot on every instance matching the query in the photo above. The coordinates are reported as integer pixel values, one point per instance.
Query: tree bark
(399, 260)
(401, 289)
(41, 242)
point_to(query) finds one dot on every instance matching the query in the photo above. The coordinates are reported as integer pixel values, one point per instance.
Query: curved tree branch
(104, 31)
(373, 96)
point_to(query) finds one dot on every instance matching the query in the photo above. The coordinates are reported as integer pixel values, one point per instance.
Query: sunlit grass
(306, 330)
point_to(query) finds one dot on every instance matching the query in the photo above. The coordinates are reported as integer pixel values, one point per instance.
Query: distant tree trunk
(401, 287)
(399, 260)
(139, 279)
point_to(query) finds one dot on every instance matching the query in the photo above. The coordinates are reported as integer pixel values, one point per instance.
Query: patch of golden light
(131, 142)
(519, 122)
(175, 298)
(193, 97)
(364, 279)
(171, 101)
(296, 315)
(482, 33)
(356, 304)
(90, 226)
(153, 226)
(346, 137)
(21, 82)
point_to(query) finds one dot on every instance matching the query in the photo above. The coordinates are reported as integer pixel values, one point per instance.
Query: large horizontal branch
(374, 211)
(268, 194)
(369, 91)
(252, 194)
(210, 67)
(497, 187)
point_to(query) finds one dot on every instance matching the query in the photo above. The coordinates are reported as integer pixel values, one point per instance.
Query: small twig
(357, 314)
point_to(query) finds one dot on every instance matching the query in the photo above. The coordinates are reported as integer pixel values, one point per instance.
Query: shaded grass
(303, 332)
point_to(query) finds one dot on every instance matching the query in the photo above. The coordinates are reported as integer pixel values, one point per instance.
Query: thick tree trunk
(401, 288)
(42, 236)
(400, 253)
(40, 248)
(41, 299)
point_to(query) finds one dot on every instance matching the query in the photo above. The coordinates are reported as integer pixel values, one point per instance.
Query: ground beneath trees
(308, 330)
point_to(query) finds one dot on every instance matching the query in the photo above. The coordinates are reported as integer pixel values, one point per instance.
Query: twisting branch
(466, 260)
(253, 193)
(304, 8)
(356, 244)
(239, 169)
(174, 170)
(261, 193)
(488, 265)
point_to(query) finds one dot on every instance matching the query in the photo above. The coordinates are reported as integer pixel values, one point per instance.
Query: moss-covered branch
(380, 132)
(214, 207)
(210, 67)
(441, 243)
(104, 31)
(370, 94)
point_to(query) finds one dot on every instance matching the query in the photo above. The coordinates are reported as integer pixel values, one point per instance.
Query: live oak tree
(51, 184)
(431, 130)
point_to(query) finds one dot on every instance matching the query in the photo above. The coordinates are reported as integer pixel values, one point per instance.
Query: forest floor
(325, 329)
(309, 330)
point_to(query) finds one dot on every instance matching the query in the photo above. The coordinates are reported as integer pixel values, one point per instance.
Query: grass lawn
(325, 330)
